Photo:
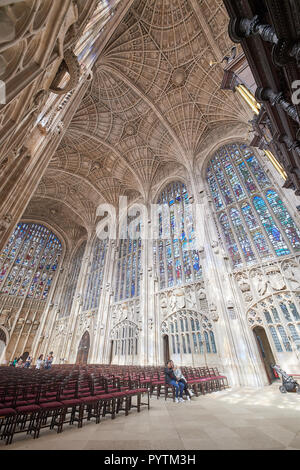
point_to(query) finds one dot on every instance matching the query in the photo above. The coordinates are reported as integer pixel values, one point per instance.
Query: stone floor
(231, 419)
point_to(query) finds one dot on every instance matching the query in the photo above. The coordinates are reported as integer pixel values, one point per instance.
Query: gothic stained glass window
(176, 259)
(281, 318)
(191, 331)
(129, 267)
(254, 220)
(95, 276)
(29, 262)
(284, 218)
(71, 283)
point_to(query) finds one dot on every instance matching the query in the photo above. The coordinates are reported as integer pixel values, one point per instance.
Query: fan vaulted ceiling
(152, 102)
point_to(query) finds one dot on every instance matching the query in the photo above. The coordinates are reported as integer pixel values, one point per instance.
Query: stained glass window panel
(284, 218)
(176, 260)
(29, 261)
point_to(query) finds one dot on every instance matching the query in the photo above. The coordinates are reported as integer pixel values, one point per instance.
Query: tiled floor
(231, 419)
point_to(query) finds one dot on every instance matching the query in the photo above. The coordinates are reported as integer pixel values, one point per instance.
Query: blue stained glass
(285, 311)
(294, 311)
(284, 338)
(21, 269)
(225, 189)
(276, 339)
(94, 281)
(249, 217)
(215, 192)
(242, 235)
(272, 230)
(258, 172)
(234, 180)
(248, 180)
(172, 254)
(230, 241)
(285, 219)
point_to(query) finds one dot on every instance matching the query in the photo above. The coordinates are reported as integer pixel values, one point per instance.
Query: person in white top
(40, 362)
(180, 377)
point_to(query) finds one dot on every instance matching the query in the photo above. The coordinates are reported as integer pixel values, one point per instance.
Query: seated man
(172, 380)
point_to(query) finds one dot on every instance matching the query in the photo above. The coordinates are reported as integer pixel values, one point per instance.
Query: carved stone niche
(291, 274)
(260, 281)
(5, 221)
(213, 312)
(275, 278)
(244, 285)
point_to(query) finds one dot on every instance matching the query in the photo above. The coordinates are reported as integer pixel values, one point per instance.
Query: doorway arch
(83, 349)
(265, 352)
(166, 348)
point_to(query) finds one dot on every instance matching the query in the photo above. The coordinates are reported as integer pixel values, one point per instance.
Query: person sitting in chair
(172, 380)
(180, 377)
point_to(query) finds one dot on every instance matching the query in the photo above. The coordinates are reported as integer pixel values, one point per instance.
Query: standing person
(15, 362)
(49, 360)
(27, 362)
(40, 362)
(172, 380)
(180, 377)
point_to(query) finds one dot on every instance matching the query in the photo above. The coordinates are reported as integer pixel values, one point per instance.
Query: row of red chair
(31, 400)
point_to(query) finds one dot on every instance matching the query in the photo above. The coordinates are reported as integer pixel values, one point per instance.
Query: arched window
(280, 316)
(29, 261)
(190, 333)
(127, 281)
(254, 221)
(125, 336)
(71, 282)
(95, 276)
(176, 259)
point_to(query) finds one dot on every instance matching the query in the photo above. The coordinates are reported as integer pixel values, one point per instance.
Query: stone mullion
(77, 302)
(102, 343)
(227, 207)
(73, 303)
(43, 328)
(277, 222)
(236, 205)
(23, 302)
(260, 193)
(261, 227)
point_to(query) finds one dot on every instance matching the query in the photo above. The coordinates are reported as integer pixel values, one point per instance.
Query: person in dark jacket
(172, 380)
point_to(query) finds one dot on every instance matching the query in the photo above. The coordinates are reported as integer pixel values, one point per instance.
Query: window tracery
(255, 223)
(190, 333)
(176, 259)
(29, 262)
(95, 276)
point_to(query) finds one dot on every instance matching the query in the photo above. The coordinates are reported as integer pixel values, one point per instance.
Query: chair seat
(22, 403)
(51, 405)
(90, 399)
(7, 412)
(106, 396)
(27, 409)
(72, 402)
(119, 394)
